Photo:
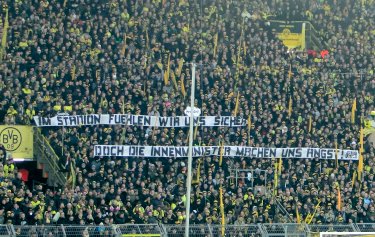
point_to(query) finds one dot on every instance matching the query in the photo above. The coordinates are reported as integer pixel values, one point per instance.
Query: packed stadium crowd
(99, 56)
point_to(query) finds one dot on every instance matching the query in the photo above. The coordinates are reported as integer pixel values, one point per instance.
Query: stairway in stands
(47, 160)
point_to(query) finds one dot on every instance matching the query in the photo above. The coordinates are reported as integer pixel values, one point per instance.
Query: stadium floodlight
(190, 154)
(196, 111)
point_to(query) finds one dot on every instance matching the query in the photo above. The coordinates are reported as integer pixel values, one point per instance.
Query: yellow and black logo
(11, 138)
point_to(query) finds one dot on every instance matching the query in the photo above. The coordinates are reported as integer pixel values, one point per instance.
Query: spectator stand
(34, 87)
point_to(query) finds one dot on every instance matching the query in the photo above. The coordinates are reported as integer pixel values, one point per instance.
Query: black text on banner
(250, 152)
(137, 120)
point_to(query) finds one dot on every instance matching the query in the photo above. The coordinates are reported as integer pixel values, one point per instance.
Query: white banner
(250, 152)
(137, 120)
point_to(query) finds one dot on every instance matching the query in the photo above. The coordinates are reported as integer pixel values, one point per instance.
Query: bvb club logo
(11, 138)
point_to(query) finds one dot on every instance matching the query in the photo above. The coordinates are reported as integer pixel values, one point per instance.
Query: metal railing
(92, 231)
(333, 228)
(44, 152)
(290, 229)
(26, 231)
(282, 210)
(365, 227)
(196, 230)
(141, 230)
(6, 230)
(237, 230)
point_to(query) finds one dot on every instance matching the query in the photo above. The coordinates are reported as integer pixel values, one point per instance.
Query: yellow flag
(215, 43)
(290, 106)
(97, 75)
(180, 65)
(69, 181)
(73, 72)
(298, 216)
(290, 71)
(5, 31)
(166, 74)
(145, 63)
(188, 137)
(249, 123)
(221, 153)
(195, 132)
(360, 167)
(280, 165)
(237, 104)
(354, 108)
(160, 65)
(147, 39)
(183, 92)
(361, 139)
(248, 128)
(275, 179)
(308, 217)
(354, 178)
(165, 77)
(169, 65)
(222, 212)
(123, 49)
(72, 176)
(360, 163)
(173, 77)
(6, 22)
(123, 107)
(338, 198)
(244, 48)
(199, 171)
(310, 123)
(312, 217)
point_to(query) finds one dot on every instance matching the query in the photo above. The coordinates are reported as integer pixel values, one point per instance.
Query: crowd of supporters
(99, 56)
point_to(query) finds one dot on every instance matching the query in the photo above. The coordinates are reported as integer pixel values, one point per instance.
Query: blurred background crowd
(99, 56)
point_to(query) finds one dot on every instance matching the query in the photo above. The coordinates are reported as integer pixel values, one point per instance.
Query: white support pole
(63, 141)
(190, 155)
